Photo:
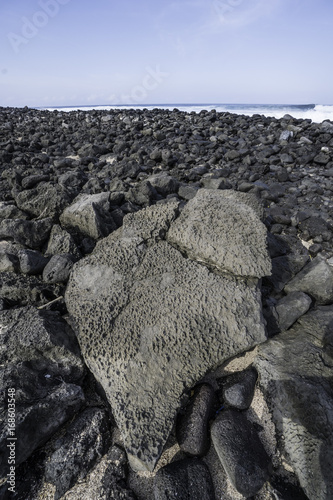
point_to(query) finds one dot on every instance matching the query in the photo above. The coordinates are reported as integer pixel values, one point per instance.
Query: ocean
(315, 112)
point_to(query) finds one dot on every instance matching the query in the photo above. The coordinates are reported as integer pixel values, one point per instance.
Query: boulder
(295, 371)
(61, 241)
(151, 323)
(90, 215)
(222, 229)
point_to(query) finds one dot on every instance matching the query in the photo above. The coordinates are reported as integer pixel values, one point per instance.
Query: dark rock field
(166, 306)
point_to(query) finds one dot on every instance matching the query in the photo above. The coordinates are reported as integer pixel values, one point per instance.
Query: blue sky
(71, 52)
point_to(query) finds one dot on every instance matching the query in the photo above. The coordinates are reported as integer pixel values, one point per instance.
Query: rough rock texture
(87, 439)
(290, 308)
(315, 279)
(240, 451)
(296, 373)
(152, 322)
(39, 358)
(30, 233)
(237, 390)
(187, 479)
(223, 230)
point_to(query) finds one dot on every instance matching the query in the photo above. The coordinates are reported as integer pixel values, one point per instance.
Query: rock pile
(142, 253)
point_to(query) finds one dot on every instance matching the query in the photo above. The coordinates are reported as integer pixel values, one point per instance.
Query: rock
(8, 262)
(192, 424)
(9, 211)
(24, 290)
(86, 440)
(58, 268)
(210, 183)
(284, 268)
(31, 180)
(114, 484)
(31, 261)
(187, 191)
(286, 135)
(89, 214)
(234, 242)
(47, 200)
(322, 159)
(29, 233)
(164, 183)
(290, 308)
(241, 452)
(315, 279)
(187, 479)
(238, 389)
(61, 241)
(295, 370)
(148, 320)
(315, 226)
(40, 359)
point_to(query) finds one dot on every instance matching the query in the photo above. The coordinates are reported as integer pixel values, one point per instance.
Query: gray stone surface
(237, 390)
(151, 323)
(187, 479)
(315, 279)
(60, 241)
(39, 358)
(46, 200)
(58, 268)
(90, 215)
(241, 452)
(295, 370)
(31, 233)
(220, 228)
(86, 440)
(32, 261)
(290, 308)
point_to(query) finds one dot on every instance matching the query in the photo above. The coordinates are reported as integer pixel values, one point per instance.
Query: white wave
(318, 114)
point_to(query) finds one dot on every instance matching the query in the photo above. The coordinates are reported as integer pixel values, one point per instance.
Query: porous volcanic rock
(152, 322)
(295, 371)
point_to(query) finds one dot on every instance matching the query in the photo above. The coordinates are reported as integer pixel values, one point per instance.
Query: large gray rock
(46, 200)
(295, 370)
(151, 323)
(40, 360)
(90, 215)
(222, 229)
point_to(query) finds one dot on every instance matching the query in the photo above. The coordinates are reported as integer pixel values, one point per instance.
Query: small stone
(32, 261)
(315, 279)
(240, 451)
(58, 268)
(238, 389)
(192, 425)
(291, 307)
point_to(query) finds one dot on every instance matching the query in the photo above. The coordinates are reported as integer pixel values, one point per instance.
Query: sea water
(315, 112)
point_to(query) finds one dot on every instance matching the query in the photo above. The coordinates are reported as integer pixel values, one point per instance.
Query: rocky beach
(166, 306)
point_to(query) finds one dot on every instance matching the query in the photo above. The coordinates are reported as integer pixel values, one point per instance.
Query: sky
(85, 52)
